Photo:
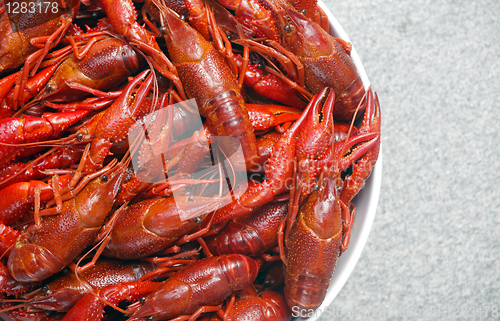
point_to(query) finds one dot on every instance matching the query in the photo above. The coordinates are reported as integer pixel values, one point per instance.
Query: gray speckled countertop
(434, 248)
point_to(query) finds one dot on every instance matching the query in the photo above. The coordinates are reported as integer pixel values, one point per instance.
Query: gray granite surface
(433, 251)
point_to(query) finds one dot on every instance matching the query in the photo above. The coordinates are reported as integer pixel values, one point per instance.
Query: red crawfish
(250, 13)
(314, 244)
(200, 287)
(359, 151)
(122, 16)
(314, 150)
(321, 231)
(279, 173)
(16, 133)
(17, 199)
(152, 225)
(107, 63)
(23, 32)
(249, 305)
(39, 252)
(112, 125)
(324, 61)
(30, 30)
(363, 167)
(65, 291)
(252, 234)
(61, 158)
(91, 306)
(208, 79)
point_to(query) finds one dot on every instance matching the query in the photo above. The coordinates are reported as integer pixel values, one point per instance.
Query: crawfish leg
(348, 214)
(198, 313)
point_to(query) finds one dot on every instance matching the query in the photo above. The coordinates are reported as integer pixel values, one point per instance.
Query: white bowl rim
(366, 201)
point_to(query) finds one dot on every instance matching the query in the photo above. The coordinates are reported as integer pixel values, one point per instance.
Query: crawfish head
(299, 34)
(314, 245)
(40, 252)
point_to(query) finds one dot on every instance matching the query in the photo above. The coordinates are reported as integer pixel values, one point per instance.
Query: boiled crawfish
(304, 166)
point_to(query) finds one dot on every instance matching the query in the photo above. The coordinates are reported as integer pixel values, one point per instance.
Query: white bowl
(366, 201)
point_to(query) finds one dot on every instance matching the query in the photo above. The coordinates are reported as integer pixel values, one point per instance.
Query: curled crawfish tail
(9, 286)
(268, 305)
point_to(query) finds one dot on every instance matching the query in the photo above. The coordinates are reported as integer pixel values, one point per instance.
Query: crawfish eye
(48, 88)
(303, 11)
(104, 178)
(191, 198)
(44, 288)
(197, 220)
(315, 187)
(79, 137)
(183, 17)
(163, 29)
(287, 28)
(142, 299)
(149, 318)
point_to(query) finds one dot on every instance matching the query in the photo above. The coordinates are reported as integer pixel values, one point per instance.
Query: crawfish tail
(268, 305)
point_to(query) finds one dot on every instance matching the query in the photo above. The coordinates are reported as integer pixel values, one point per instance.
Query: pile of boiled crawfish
(84, 237)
